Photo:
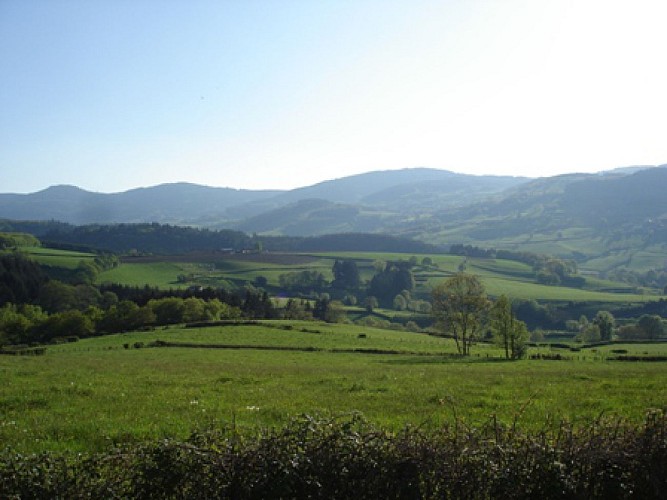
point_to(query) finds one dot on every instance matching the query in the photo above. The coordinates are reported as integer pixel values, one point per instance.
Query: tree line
(36, 308)
(166, 239)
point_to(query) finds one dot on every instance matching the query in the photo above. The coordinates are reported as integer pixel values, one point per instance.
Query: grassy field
(89, 394)
(499, 276)
(57, 258)
(160, 274)
(230, 271)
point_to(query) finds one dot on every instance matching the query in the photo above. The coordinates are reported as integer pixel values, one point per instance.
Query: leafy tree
(335, 312)
(391, 281)
(302, 281)
(537, 335)
(261, 281)
(193, 310)
(545, 277)
(400, 304)
(16, 321)
(86, 296)
(167, 311)
(108, 299)
(328, 310)
(509, 332)
(350, 300)
(346, 275)
(422, 306)
(63, 324)
(55, 297)
(591, 333)
(126, 316)
(14, 240)
(86, 272)
(296, 310)
(214, 309)
(534, 314)
(460, 307)
(651, 326)
(257, 304)
(371, 303)
(605, 321)
(411, 326)
(630, 332)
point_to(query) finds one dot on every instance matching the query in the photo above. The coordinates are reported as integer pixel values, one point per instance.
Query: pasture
(511, 278)
(57, 258)
(93, 393)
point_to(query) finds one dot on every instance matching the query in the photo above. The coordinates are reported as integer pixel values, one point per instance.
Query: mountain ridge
(217, 207)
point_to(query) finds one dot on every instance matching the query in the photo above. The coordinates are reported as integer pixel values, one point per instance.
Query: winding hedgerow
(349, 458)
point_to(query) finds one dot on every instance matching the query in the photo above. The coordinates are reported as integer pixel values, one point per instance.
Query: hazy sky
(111, 95)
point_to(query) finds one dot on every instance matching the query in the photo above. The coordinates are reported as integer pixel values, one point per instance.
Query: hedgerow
(350, 458)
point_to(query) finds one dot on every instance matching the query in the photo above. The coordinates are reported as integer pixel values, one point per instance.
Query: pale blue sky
(111, 95)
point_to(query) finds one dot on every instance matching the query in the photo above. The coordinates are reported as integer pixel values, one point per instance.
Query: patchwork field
(499, 276)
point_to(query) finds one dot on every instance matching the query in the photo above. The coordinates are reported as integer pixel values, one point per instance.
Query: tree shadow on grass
(445, 358)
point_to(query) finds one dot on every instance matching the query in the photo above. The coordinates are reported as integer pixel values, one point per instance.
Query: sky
(111, 95)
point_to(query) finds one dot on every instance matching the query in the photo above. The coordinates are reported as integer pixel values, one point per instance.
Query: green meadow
(57, 258)
(160, 274)
(94, 393)
(511, 278)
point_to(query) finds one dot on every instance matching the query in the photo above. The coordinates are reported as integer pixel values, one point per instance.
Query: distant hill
(173, 203)
(602, 220)
(394, 188)
(190, 204)
(605, 221)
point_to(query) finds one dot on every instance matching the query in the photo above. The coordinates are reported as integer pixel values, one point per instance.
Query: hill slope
(399, 191)
(604, 221)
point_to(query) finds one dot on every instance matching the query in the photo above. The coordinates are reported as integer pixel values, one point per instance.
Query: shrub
(349, 458)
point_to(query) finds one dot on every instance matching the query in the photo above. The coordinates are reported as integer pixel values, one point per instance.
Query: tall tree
(346, 275)
(460, 307)
(391, 281)
(605, 322)
(651, 326)
(509, 332)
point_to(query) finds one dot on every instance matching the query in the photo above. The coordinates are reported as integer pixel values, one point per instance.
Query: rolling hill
(191, 204)
(602, 221)
(614, 219)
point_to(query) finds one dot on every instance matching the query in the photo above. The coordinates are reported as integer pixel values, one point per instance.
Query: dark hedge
(349, 458)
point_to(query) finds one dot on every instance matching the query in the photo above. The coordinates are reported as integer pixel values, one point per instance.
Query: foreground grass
(88, 395)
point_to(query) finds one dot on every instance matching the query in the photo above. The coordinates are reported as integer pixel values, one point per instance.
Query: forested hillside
(166, 239)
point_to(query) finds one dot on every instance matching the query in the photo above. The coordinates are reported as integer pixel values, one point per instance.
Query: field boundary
(362, 350)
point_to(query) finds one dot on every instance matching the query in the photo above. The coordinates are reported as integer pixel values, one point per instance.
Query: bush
(349, 458)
